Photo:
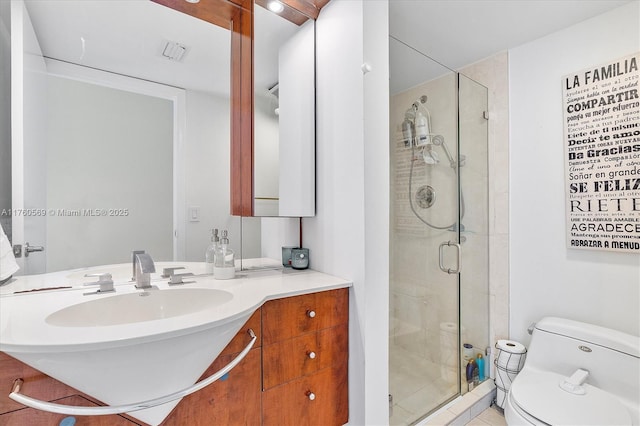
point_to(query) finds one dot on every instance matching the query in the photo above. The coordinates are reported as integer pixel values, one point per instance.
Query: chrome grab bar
(458, 257)
(119, 409)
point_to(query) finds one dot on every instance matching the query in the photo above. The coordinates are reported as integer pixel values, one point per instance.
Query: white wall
(546, 277)
(352, 172)
(207, 172)
(5, 113)
(107, 149)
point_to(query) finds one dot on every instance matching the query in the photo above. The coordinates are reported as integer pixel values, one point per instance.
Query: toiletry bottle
(209, 255)
(467, 352)
(224, 267)
(476, 375)
(471, 365)
(480, 362)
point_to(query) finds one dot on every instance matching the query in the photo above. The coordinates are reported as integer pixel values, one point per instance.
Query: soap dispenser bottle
(209, 256)
(224, 267)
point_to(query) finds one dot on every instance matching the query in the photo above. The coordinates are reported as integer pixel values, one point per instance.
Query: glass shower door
(438, 265)
(424, 301)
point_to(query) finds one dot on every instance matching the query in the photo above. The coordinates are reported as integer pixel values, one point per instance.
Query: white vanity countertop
(23, 316)
(121, 273)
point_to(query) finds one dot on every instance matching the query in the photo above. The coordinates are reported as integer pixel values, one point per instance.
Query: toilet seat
(537, 397)
(515, 415)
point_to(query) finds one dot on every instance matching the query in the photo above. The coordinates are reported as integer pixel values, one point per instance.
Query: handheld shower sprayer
(416, 133)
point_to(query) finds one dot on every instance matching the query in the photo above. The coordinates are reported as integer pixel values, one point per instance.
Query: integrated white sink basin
(138, 307)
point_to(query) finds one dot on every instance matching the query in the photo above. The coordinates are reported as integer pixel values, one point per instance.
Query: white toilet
(577, 374)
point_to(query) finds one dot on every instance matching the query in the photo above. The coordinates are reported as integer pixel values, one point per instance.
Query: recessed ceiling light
(192, 1)
(275, 6)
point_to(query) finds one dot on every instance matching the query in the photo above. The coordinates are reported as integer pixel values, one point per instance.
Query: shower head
(421, 100)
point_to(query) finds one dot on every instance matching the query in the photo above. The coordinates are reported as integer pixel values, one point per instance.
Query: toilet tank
(611, 357)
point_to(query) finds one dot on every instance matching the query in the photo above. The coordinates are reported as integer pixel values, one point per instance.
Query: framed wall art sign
(602, 156)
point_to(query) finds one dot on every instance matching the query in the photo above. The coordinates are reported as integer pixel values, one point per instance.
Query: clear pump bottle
(209, 256)
(224, 263)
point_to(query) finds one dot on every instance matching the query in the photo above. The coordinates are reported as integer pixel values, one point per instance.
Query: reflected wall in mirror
(284, 112)
(81, 61)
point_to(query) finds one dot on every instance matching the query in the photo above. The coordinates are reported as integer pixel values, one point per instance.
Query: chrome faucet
(143, 266)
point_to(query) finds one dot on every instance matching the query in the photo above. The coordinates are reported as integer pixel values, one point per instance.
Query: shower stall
(439, 277)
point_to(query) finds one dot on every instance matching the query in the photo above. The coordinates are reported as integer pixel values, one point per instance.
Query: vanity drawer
(292, 316)
(317, 399)
(303, 355)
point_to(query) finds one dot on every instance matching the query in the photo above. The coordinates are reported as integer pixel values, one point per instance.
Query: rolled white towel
(5, 245)
(8, 265)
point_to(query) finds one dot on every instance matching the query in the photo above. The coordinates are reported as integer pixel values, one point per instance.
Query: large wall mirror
(122, 142)
(125, 126)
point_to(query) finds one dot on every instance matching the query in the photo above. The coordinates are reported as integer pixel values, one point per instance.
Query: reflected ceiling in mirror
(137, 39)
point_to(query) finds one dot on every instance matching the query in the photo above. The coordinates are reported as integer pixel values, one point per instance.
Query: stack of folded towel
(8, 265)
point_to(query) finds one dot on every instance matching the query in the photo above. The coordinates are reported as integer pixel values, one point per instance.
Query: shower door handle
(458, 257)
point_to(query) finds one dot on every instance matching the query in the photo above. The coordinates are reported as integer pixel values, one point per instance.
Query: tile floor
(491, 416)
(415, 383)
(465, 409)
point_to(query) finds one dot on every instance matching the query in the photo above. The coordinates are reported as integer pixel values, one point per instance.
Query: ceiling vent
(174, 51)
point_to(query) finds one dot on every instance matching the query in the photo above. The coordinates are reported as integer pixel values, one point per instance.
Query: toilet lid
(539, 394)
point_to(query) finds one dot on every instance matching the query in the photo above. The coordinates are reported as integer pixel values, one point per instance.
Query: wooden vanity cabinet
(295, 374)
(234, 399)
(280, 382)
(41, 386)
(304, 359)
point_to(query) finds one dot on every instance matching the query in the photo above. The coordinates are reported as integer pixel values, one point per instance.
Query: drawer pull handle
(311, 355)
(311, 395)
(311, 314)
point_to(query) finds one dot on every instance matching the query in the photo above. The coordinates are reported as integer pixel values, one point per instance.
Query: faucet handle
(167, 272)
(177, 278)
(101, 276)
(105, 281)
